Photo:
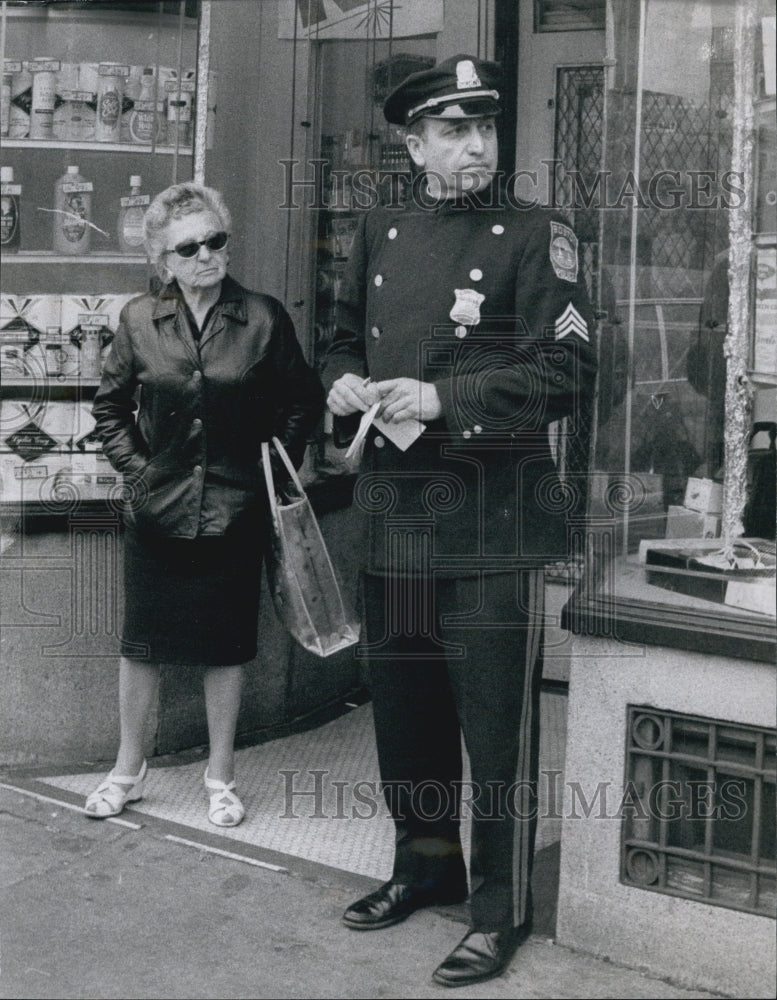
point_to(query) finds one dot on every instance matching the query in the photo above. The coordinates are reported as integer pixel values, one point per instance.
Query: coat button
(460, 331)
(392, 233)
(379, 441)
(477, 429)
(197, 470)
(497, 230)
(196, 375)
(466, 434)
(378, 280)
(475, 274)
(375, 332)
(196, 422)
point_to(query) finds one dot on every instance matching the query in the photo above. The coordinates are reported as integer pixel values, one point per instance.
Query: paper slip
(364, 426)
(402, 434)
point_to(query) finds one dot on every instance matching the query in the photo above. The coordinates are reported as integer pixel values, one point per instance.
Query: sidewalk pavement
(127, 908)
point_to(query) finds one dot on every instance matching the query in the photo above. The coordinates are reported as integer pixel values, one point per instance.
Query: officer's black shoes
(394, 902)
(480, 955)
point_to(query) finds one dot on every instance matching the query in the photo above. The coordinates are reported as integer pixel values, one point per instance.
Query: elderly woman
(213, 370)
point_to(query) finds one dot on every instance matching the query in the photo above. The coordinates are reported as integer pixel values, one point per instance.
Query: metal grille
(695, 142)
(578, 145)
(699, 810)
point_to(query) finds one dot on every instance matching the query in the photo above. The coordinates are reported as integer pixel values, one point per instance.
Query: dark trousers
(451, 657)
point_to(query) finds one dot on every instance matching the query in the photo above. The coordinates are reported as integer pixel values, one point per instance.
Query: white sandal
(225, 808)
(111, 796)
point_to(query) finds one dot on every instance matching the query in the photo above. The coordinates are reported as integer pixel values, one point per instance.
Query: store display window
(99, 104)
(681, 482)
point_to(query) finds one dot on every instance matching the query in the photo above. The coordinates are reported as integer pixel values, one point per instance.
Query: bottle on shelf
(180, 94)
(147, 122)
(91, 348)
(10, 216)
(131, 96)
(130, 222)
(5, 106)
(74, 118)
(110, 99)
(44, 71)
(21, 102)
(72, 213)
(53, 349)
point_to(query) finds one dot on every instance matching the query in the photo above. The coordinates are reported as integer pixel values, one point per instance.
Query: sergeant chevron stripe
(570, 321)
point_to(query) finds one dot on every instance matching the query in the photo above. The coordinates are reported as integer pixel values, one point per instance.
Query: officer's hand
(404, 398)
(351, 393)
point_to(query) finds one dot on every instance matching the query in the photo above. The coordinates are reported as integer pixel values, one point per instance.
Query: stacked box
(27, 322)
(684, 523)
(704, 496)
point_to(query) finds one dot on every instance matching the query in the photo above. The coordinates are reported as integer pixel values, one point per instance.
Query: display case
(681, 506)
(98, 115)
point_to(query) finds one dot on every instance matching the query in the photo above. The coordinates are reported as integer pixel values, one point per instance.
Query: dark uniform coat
(486, 300)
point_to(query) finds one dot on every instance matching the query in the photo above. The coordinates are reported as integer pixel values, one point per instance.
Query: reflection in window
(664, 290)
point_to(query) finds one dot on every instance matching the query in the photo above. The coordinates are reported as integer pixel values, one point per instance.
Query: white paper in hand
(364, 426)
(402, 434)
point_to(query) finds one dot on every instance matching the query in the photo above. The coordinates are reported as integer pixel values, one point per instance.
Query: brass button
(197, 470)
(379, 441)
(378, 280)
(497, 230)
(196, 375)
(475, 274)
(196, 422)
(375, 332)
(392, 233)
(460, 331)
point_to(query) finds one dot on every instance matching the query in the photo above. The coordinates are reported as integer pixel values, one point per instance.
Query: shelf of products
(98, 112)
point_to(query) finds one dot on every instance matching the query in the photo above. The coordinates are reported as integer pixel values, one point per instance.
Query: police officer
(463, 331)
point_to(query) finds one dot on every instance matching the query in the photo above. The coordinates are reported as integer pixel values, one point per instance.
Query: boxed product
(90, 476)
(84, 438)
(31, 429)
(31, 482)
(85, 326)
(26, 323)
(704, 495)
(30, 315)
(706, 568)
(684, 523)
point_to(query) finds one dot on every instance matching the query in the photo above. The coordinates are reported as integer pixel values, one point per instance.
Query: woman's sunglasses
(213, 243)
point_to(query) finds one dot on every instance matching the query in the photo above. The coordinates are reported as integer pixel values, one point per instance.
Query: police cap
(459, 87)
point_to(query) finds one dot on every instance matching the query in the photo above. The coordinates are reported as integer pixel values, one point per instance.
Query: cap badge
(466, 308)
(563, 252)
(466, 77)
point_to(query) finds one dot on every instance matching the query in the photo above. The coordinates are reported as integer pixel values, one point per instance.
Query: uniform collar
(489, 197)
(232, 300)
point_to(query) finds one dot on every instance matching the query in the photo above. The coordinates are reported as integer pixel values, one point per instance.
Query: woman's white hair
(177, 200)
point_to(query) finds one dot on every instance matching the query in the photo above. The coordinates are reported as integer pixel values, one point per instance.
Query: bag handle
(268, 476)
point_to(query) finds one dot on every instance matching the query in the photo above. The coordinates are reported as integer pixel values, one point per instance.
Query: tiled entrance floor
(313, 795)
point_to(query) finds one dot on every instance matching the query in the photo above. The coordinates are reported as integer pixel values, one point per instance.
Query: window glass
(667, 190)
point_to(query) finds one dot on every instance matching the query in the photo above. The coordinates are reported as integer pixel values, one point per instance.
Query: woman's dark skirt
(192, 601)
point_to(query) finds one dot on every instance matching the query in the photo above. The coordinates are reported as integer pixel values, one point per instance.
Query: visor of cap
(475, 107)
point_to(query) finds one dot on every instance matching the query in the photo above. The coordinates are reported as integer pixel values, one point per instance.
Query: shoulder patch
(563, 252)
